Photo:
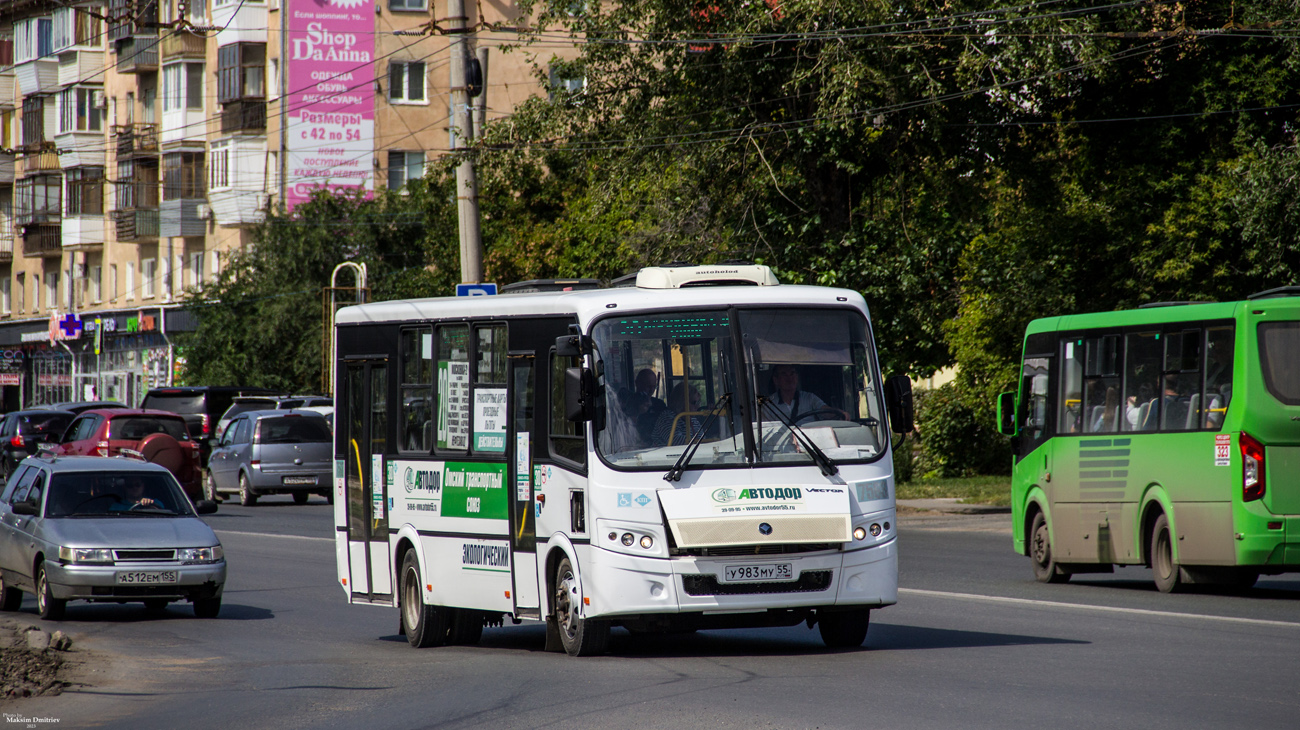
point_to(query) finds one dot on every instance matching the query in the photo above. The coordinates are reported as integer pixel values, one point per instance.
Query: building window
(563, 84)
(406, 82)
(183, 86)
(130, 280)
(112, 281)
(38, 199)
(406, 5)
(183, 175)
(33, 39)
(4, 294)
(52, 290)
(75, 27)
(137, 184)
(196, 269)
(79, 110)
(404, 167)
(220, 169)
(33, 120)
(36, 292)
(241, 72)
(20, 287)
(96, 283)
(86, 191)
(148, 274)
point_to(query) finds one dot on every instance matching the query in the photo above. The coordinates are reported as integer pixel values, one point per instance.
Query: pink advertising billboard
(331, 99)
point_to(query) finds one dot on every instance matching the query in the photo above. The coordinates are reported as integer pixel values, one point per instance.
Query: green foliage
(970, 490)
(956, 440)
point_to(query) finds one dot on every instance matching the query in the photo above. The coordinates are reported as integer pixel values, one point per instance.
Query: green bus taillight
(1252, 468)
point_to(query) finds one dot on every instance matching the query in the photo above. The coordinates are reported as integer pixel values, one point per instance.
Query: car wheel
(301, 497)
(247, 496)
(207, 607)
(424, 625)
(210, 489)
(155, 604)
(579, 636)
(49, 607)
(844, 629)
(1040, 553)
(10, 598)
(1168, 575)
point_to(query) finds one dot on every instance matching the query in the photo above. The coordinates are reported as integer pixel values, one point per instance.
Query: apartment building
(141, 139)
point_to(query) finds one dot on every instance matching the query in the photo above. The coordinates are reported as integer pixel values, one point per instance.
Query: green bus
(1166, 436)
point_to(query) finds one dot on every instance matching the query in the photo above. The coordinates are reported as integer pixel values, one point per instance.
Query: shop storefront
(101, 356)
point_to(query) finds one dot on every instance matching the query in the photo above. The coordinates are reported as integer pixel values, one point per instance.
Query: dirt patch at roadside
(27, 671)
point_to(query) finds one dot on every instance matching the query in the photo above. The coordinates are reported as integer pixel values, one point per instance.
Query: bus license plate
(146, 577)
(757, 573)
(299, 480)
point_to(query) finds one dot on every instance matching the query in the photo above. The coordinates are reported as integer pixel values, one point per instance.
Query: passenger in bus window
(686, 426)
(1105, 419)
(647, 384)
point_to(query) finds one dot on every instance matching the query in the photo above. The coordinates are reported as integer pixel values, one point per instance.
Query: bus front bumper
(624, 585)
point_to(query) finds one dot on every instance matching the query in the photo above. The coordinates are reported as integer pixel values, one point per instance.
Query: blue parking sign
(475, 290)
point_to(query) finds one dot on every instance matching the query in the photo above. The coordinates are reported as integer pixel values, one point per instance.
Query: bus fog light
(613, 535)
(647, 542)
(859, 533)
(875, 529)
(628, 539)
(886, 525)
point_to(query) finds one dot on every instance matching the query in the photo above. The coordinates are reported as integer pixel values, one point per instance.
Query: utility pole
(471, 244)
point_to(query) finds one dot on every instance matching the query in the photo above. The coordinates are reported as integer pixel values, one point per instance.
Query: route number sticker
(1222, 449)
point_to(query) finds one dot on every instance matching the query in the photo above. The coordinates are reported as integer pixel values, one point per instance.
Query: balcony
(6, 167)
(7, 88)
(6, 240)
(137, 55)
(83, 232)
(40, 157)
(243, 116)
(77, 64)
(42, 240)
(136, 225)
(184, 45)
(136, 140)
(39, 76)
(181, 218)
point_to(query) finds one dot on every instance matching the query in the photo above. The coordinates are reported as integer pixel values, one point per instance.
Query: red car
(159, 437)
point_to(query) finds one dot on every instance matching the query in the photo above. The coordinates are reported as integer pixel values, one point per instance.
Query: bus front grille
(810, 581)
(740, 551)
(761, 529)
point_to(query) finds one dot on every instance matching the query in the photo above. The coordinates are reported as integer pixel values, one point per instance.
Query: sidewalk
(953, 506)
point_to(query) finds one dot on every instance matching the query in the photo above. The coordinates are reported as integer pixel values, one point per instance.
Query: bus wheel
(1167, 574)
(580, 637)
(466, 627)
(425, 625)
(1040, 553)
(844, 629)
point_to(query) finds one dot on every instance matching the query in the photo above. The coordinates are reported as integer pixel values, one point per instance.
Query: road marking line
(1089, 607)
(267, 534)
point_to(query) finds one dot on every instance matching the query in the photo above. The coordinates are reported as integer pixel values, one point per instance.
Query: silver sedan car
(110, 530)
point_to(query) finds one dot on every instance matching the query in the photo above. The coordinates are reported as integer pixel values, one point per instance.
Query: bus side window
(417, 390)
(567, 439)
(453, 407)
(1101, 385)
(1071, 386)
(1218, 375)
(1180, 395)
(1141, 379)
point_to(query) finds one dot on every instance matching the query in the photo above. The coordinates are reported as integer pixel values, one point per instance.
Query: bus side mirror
(579, 389)
(898, 402)
(572, 345)
(1007, 413)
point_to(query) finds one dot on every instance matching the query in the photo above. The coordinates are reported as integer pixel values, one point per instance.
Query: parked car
(272, 452)
(201, 406)
(22, 432)
(77, 406)
(82, 528)
(159, 437)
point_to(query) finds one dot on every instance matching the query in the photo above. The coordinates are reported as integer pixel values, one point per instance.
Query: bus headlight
(628, 539)
(859, 533)
(647, 542)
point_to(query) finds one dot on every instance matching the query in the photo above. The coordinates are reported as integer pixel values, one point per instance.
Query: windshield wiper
(823, 461)
(675, 474)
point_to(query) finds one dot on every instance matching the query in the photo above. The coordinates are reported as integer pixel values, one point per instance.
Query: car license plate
(145, 577)
(757, 573)
(299, 480)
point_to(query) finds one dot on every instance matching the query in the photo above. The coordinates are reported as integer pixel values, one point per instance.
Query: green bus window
(1218, 375)
(1180, 394)
(1071, 387)
(1279, 348)
(1141, 381)
(1101, 384)
(1034, 417)
(417, 390)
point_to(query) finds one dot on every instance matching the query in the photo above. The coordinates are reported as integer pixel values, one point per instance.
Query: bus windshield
(671, 378)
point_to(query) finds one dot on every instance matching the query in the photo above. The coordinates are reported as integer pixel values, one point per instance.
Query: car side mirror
(898, 402)
(579, 387)
(1007, 413)
(26, 508)
(205, 506)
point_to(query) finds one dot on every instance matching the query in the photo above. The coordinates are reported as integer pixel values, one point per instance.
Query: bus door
(365, 432)
(523, 528)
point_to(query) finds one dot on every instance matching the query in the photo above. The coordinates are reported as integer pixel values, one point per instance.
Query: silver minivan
(272, 452)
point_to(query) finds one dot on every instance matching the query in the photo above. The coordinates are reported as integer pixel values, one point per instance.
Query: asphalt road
(973, 642)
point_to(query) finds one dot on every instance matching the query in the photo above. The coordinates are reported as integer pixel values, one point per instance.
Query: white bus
(705, 449)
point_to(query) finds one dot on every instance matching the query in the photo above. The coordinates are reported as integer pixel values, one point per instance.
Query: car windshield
(41, 424)
(244, 406)
(813, 369)
(115, 494)
(669, 378)
(135, 428)
(293, 430)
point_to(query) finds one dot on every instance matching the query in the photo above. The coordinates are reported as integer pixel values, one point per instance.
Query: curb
(953, 506)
